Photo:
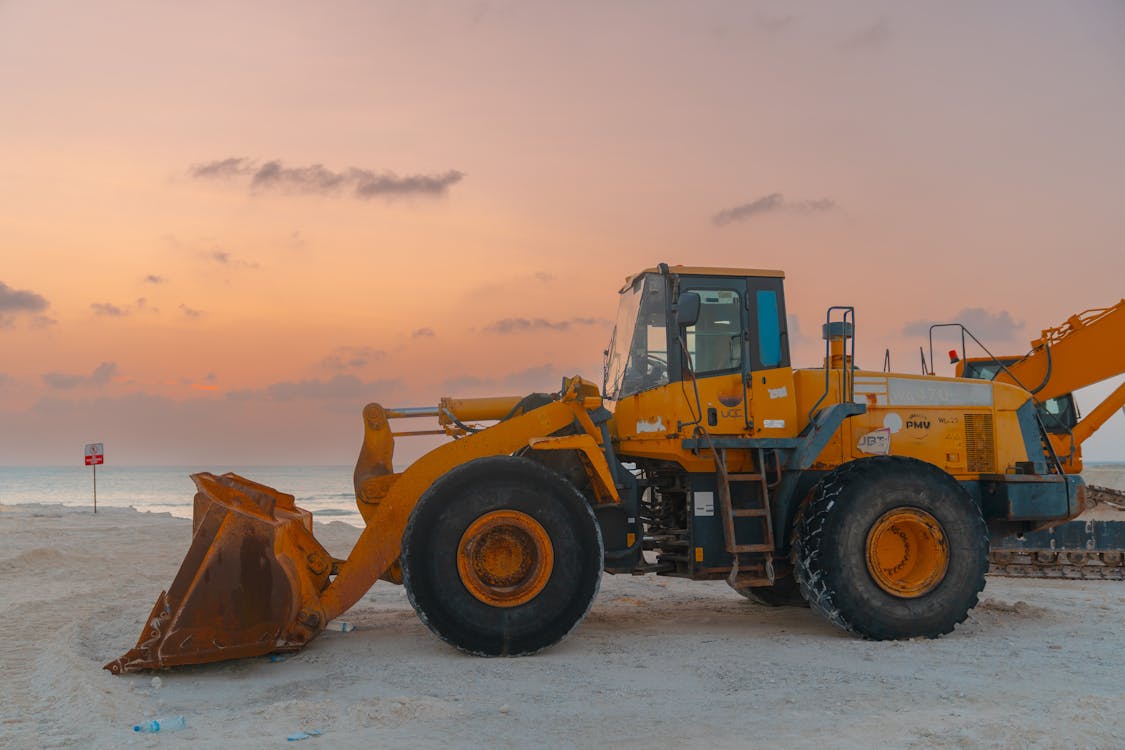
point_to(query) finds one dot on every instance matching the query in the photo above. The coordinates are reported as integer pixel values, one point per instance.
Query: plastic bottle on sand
(169, 724)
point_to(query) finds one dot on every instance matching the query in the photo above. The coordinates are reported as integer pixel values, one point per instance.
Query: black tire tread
(474, 471)
(810, 542)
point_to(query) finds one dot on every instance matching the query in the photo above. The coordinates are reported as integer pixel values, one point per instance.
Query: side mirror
(687, 309)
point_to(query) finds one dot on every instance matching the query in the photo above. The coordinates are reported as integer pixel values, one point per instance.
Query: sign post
(95, 454)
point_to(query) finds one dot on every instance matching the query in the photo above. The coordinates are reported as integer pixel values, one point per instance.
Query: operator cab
(1059, 415)
(739, 327)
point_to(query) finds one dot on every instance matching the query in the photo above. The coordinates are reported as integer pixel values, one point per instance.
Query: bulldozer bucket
(249, 585)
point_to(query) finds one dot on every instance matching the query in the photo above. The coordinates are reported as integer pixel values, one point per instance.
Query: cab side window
(769, 329)
(715, 341)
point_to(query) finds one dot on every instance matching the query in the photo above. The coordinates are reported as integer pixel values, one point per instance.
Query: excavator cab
(1059, 414)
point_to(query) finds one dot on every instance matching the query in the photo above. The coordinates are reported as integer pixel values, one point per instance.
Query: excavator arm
(1099, 415)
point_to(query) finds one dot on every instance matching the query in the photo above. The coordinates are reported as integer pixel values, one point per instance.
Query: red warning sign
(95, 454)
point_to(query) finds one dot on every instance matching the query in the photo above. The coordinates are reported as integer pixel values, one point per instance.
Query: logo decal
(876, 442)
(730, 400)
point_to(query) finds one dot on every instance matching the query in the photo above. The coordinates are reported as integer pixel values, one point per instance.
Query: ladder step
(744, 477)
(749, 512)
(745, 582)
(752, 548)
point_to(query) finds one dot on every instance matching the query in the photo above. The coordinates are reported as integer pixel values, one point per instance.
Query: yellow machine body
(707, 471)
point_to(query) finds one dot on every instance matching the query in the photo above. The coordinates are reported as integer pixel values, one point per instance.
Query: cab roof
(707, 271)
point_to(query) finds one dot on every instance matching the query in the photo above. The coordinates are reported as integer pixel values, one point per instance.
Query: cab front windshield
(638, 353)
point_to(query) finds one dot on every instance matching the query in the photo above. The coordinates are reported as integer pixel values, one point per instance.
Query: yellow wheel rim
(505, 558)
(907, 554)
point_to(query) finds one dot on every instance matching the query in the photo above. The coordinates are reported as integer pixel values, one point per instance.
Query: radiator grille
(979, 445)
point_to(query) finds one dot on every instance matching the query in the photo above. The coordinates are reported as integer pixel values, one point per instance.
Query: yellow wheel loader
(868, 495)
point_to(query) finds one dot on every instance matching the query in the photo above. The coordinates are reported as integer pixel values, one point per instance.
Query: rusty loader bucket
(249, 585)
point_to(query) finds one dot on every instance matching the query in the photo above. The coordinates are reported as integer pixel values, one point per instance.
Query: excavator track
(1078, 550)
(1072, 564)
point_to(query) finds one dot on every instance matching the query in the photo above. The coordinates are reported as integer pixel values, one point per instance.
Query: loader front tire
(891, 547)
(502, 557)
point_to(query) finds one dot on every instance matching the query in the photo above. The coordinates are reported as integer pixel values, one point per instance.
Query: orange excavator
(1087, 349)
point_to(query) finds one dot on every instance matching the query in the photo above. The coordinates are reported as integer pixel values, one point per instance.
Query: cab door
(716, 347)
(774, 402)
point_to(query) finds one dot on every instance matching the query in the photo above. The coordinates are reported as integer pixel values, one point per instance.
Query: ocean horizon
(325, 491)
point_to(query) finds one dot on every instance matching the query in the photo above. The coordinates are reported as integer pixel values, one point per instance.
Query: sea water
(325, 491)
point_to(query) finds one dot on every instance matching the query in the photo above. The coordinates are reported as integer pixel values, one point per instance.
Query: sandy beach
(658, 663)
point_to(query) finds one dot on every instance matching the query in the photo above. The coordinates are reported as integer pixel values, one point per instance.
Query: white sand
(1112, 477)
(658, 663)
(1105, 476)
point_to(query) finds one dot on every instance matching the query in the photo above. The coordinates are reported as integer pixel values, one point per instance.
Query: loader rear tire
(891, 547)
(502, 557)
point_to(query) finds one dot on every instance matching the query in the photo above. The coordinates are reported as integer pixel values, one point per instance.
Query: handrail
(847, 385)
(991, 356)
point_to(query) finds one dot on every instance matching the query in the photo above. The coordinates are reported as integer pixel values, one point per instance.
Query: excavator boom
(1084, 350)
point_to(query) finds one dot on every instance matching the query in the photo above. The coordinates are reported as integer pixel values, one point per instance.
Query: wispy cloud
(228, 259)
(774, 202)
(154, 279)
(793, 328)
(498, 287)
(541, 378)
(352, 357)
(871, 36)
(985, 325)
(20, 300)
(191, 312)
(107, 309)
(772, 23)
(296, 240)
(101, 375)
(208, 382)
(110, 310)
(339, 387)
(316, 179)
(423, 333)
(521, 325)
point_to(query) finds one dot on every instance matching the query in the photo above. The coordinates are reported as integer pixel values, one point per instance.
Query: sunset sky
(225, 227)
